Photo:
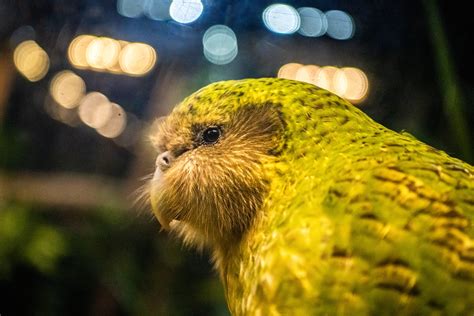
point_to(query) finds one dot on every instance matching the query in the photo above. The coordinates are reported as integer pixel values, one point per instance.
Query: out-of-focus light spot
(340, 25)
(137, 59)
(130, 8)
(67, 89)
(115, 56)
(116, 123)
(158, 9)
(349, 82)
(308, 73)
(352, 84)
(21, 34)
(31, 60)
(102, 52)
(77, 51)
(325, 76)
(313, 22)
(288, 71)
(219, 44)
(281, 18)
(95, 110)
(186, 11)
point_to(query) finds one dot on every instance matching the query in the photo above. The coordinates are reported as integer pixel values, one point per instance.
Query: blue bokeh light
(281, 18)
(220, 44)
(340, 25)
(313, 22)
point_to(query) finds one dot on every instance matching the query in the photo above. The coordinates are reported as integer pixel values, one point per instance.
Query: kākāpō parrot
(309, 207)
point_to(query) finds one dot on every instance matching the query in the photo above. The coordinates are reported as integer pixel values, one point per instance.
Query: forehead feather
(221, 99)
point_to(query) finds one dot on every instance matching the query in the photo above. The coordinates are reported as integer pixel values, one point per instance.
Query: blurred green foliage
(105, 262)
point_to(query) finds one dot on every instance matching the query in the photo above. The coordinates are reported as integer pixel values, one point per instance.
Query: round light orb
(137, 59)
(313, 22)
(281, 18)
(67, 89)
(130, 8)
(219, 44)
(95, 110)
(77, 51)
(116, 123)
(308, 73)
(186, 11)
(288, 71)
(158, 10)
(340, 25)
(357, 84)
(31, 60)
(324, 78)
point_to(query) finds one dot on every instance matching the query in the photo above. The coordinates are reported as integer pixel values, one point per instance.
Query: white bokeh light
(313, 22)
(281, 18)
(186, 11)
(220, 44)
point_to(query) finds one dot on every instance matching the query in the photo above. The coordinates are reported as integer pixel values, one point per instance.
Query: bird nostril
(164, 160)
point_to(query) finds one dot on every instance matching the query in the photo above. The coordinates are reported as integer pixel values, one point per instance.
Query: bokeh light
(352, 83)
(281, 18)
(220, 44)
(131, 8)
(308, 73)
(115, 56)
(31, 60)
(324, 78)
(349, 82)
(340, 25)
(67, 89)
(158, 10)
(186, 11)
(102, 53)
(95, 110)
(288, 71)
(116, 122)
(77, 51)
(137, 59)
(313, 22)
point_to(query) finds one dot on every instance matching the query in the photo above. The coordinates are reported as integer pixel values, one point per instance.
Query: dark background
(72, 240)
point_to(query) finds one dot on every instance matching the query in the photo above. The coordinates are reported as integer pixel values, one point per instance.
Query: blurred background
(81, 82)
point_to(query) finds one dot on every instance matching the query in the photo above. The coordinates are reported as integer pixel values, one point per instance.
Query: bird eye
(211, 135)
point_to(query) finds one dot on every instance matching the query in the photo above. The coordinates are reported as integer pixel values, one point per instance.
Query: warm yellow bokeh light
(95, 110)
(31, 60)
(324, 78)
(77, 51)
(115, 56)
(288, 71)
(358, 84)
(67, 89)
(116, 123)
(340, 83)
(137, 59)
(307, 73)
(349, 82)
(102, 52)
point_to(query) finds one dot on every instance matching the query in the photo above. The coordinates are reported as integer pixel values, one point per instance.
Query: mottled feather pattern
(347, 218)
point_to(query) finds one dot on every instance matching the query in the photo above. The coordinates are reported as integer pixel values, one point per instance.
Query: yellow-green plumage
(356, 219)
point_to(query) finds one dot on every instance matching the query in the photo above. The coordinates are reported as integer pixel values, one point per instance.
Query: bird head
(214, 152)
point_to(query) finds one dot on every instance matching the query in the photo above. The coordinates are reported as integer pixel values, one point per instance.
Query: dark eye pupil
(211, 135)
